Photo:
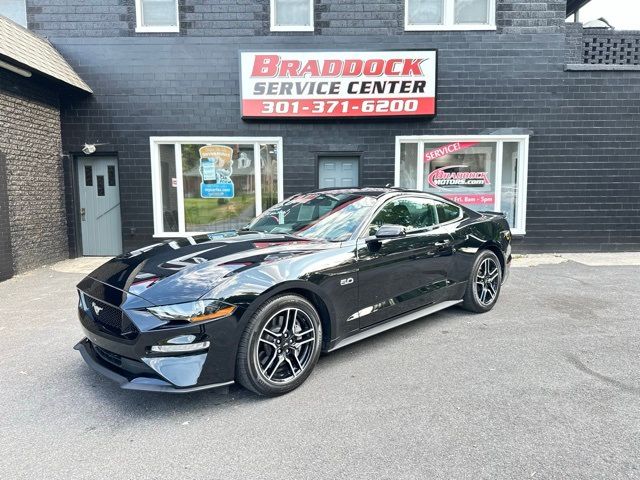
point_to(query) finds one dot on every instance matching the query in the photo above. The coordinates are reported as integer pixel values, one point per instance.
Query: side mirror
(390, 231)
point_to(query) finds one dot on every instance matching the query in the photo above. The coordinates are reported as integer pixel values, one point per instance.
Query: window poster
(216, 167)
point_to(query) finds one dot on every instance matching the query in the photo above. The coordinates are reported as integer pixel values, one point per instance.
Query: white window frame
(156, 176)
(448, 20)
(141, 28)
(291, 28)
(523, 167)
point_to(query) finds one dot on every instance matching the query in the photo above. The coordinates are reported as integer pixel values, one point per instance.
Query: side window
(447, 212)
(411, 213)
(450, 14)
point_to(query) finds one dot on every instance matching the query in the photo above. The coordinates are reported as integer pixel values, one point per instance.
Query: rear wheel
(280, 346)
(483, 286)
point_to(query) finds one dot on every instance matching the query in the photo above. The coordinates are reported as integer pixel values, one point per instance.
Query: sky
(622, 14)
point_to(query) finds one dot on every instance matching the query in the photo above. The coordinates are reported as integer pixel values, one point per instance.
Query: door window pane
(292, 13)
(408, 165)
(169, 185)
(462, 171)
(100, 180)
(159, 13)
(88, 175)
(509, 190)
(472, 11)
(425, 12)
(111, 175)
(218, 186)
(413, 214)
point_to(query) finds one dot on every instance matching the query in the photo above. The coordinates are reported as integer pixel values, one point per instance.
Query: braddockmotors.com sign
(338, 84)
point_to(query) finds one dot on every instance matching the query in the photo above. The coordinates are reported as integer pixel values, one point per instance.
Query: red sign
(338, 84)
(445, 150)
(472, 198)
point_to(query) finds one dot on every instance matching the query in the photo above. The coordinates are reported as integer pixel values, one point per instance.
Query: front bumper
(130, 380)
(119, 343)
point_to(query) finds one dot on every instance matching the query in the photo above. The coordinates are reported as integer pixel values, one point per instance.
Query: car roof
(370, 191)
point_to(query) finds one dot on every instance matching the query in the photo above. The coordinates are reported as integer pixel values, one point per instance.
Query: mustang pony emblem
(96, 308)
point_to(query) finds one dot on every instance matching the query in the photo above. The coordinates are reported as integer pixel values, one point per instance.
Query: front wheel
(280, 346)
(483, 286)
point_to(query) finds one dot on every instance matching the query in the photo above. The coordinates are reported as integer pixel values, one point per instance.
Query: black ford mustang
(314, 273)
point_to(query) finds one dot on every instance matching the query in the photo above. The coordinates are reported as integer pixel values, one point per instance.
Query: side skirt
(396, 322)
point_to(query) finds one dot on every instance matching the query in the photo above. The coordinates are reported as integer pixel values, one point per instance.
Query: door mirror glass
(391, 231)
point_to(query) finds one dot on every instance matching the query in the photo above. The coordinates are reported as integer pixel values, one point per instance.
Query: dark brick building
(548, 111)
(34, 79)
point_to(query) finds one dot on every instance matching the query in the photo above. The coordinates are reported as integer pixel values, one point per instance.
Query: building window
(208, 184)
(481, 172)
(15, 10)
(450, 15)
(292, 15)
(157, 16)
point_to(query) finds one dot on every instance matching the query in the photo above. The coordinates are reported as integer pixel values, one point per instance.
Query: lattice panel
(611, 50)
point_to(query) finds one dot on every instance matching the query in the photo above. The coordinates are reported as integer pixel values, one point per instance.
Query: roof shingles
(22, 46)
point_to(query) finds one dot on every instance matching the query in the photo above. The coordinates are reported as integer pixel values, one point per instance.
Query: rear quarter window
(447, 212)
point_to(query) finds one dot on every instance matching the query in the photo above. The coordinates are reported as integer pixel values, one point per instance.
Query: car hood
(186, 269)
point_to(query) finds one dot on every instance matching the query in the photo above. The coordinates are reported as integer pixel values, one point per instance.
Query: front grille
(107, 318)
(106, 315)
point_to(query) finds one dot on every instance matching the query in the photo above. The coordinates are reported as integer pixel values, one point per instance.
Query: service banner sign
(338, 84)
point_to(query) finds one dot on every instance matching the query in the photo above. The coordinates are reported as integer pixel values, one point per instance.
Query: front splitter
(147, 384)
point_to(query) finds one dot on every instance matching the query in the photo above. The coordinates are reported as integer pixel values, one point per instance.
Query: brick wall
(6, 256)
(236, 18)
(584, 180)
(573, 43)
(30, 149)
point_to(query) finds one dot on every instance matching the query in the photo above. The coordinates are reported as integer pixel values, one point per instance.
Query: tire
(482, 292)
(280, 346)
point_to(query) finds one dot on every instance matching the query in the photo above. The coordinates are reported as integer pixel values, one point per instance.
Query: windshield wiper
(248, 230)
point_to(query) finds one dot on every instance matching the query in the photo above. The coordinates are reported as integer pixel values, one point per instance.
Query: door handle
(443, 243)
(83, 214)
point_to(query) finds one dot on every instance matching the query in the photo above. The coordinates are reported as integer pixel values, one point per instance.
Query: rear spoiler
(493, 214)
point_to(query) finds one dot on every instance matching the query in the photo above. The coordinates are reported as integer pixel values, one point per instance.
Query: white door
(99, 193)
(337, 172)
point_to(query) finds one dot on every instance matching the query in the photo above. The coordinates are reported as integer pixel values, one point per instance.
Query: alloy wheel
(487, 280)
(285, 347)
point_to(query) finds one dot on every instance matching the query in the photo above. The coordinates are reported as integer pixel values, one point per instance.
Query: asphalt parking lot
(547, 385)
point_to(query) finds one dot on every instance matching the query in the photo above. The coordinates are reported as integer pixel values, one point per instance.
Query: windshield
(334, 217)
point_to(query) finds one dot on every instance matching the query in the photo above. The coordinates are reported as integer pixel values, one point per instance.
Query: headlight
(197, 311)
